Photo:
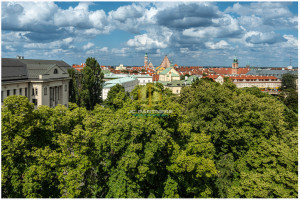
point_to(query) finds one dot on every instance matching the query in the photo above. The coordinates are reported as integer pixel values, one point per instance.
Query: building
(166, 62)
(176, 85)
(169, 74)
(44, 82)
(159, 69)
(143, 79)
(276, 73)
(121, 67)
(262, 82)
(216, 78)
(235, 66)
(233, 71)
(146, 61)
(127, 82)
(79, 67)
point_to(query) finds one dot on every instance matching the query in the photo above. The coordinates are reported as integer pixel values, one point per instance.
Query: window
(32, 91)
(55, 71)
(15, 91)
(45, 91)
(7, 93)
(34, 101)
(26, 92)
(20, 91)
(36, 91)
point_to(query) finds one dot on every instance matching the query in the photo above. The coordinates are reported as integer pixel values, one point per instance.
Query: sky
(189, 33)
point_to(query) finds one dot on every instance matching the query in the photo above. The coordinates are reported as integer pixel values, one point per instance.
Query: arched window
(55, 71)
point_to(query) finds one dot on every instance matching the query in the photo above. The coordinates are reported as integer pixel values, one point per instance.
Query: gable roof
(165, 71)
(30, 68)
(166, 62)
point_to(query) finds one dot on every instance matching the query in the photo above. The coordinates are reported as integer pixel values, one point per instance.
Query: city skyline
(190, 33)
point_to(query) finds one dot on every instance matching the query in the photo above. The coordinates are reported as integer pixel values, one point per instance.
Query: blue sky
(190, 33)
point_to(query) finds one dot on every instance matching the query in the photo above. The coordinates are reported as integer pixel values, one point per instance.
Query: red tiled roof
(213, 76)
(155, 77)
(243, 70)
(229, 70)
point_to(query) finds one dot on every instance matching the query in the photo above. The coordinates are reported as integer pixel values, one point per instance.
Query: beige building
(43, 82)
(121, 67)
(169, 74)
(256, 81)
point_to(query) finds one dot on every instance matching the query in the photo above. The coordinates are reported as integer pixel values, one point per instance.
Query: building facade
(143, 79)
(262, 82)
(43, 82)
(127, 82)
(169, 74)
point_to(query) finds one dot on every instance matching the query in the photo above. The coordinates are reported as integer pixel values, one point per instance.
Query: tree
(239, 124)
(288, 81)
(116, 97)
(86, 88)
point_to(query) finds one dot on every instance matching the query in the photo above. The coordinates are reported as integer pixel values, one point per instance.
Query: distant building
(159, 69)
(43, 82)
(166, 62)
(233, 71)
(121, 67)
(277, 73)
(216, 78)
(146, 61)
(169, 74)
(143, 79)
(79, 67)
(262, 82)
(235, 66)
(176, 85)
(127, 82)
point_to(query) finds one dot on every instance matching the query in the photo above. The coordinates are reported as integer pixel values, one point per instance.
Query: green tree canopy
(86, 87)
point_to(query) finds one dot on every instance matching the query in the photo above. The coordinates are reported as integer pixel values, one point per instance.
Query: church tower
(146, 61)
(235, 66)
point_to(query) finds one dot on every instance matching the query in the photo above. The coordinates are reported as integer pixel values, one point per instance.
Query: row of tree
(219, 141)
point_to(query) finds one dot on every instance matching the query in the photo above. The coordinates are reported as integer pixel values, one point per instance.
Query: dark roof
(277, 73)
(13, 69)
(36, 67)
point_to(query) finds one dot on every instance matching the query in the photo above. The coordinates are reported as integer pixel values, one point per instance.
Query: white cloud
(144, 42)
(219, 45)
(88, 46)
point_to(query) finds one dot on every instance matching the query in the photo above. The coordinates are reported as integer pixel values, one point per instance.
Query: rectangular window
(34, 101)
(36, 91)
(26, 92)
(15, 91)
(20, 91)
(7, 93)
(45, 91)
(32, 91)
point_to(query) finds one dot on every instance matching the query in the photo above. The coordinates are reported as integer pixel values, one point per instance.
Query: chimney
(20, 57)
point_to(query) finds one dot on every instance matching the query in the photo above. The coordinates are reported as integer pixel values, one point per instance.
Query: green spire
(235, 60)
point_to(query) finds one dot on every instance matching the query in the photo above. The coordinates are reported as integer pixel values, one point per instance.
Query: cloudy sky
(190, 33)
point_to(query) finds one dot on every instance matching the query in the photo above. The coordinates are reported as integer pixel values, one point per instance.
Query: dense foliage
(218, 141)
(289, 94)
(86, 85)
